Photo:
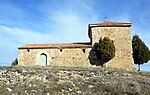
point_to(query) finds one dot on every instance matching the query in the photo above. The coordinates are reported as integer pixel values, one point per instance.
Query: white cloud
(69, 21)
(60, 24)
(23, 35)
(12, 37)
(54, 22)
(70, 27)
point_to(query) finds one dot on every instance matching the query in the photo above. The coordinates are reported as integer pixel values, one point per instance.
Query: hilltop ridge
(72, 81)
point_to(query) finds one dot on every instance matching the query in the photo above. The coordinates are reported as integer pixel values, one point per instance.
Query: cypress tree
(141, 53)
(15, 62)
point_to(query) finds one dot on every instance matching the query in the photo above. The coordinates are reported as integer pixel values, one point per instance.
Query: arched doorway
(43, 59)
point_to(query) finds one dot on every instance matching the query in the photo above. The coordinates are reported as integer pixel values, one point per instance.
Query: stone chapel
(82, 54)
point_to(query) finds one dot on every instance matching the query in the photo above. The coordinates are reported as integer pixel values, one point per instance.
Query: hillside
(72, 81)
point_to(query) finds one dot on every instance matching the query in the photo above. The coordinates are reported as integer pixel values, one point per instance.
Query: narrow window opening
(28, 50)
(83, 50)
(60, 50)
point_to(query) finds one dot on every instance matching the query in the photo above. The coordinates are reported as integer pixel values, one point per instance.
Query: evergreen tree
(141, 53)
(105, 49)
(14, 62)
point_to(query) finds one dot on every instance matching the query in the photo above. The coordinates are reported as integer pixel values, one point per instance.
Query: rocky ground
(72, 81)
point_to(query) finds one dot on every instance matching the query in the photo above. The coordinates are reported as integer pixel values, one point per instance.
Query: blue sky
(64, 21)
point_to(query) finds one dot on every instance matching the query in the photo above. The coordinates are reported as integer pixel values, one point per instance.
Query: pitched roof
(107, 23)
(60, 46)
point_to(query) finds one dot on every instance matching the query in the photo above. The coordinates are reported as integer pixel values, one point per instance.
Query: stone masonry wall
(70, 57)
(76, 57)
(122, 41)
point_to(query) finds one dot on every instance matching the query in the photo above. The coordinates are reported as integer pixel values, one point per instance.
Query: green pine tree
(141, 53)
(105, 50)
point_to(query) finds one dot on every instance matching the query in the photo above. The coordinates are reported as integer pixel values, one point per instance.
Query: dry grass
(74, 81)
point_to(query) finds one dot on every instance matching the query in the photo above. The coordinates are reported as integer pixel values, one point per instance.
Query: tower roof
(107, 23)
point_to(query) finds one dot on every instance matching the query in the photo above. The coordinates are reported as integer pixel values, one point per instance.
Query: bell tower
(119, 32)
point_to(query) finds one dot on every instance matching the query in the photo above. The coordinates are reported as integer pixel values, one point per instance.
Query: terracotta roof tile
(107, 23)
(65, 45)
